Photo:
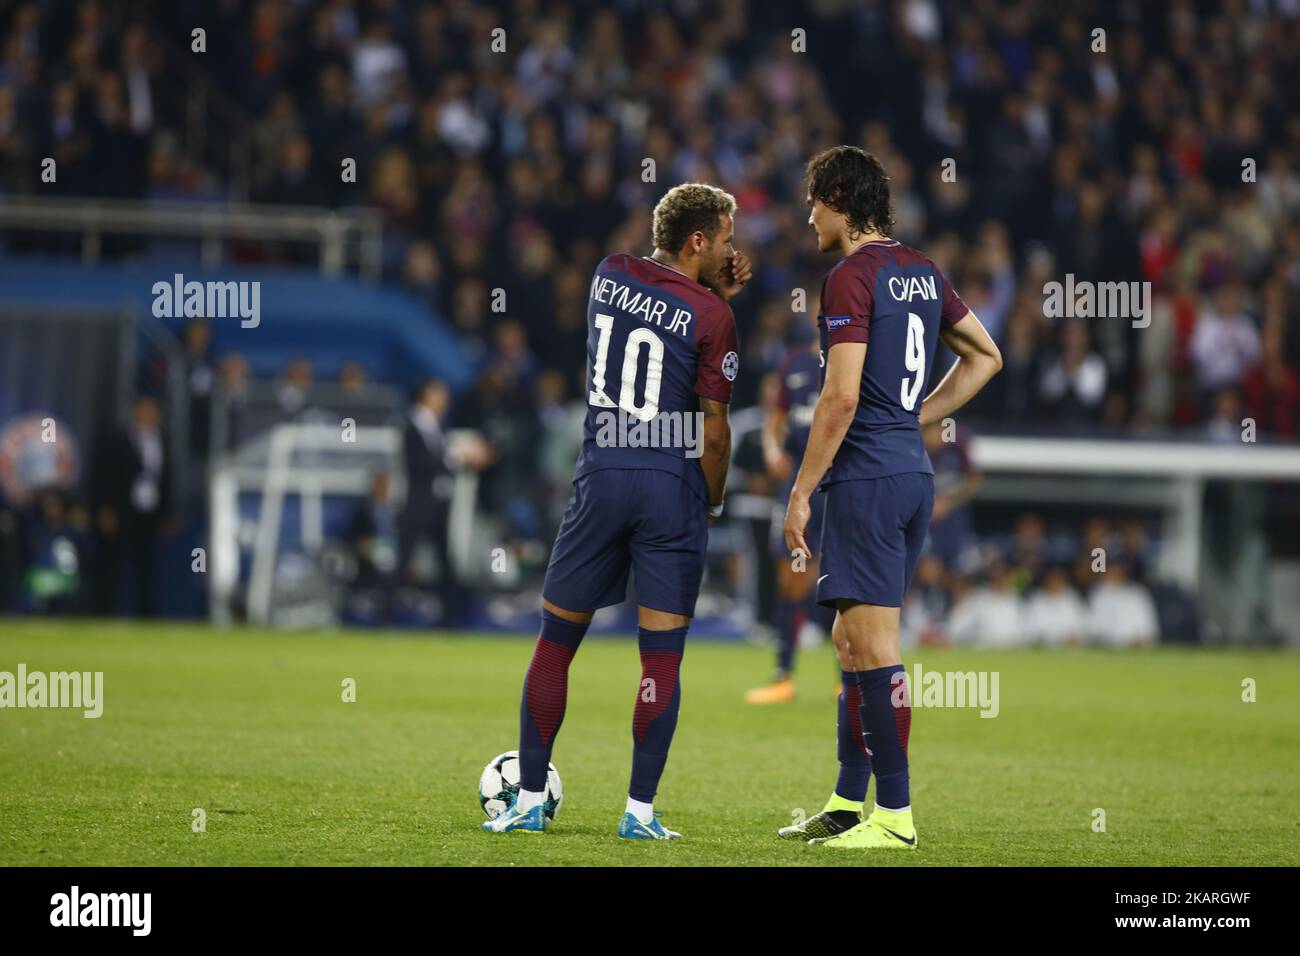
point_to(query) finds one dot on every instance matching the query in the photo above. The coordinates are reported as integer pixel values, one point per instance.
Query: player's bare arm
(831, 418)
(978, 360)
(715, 454)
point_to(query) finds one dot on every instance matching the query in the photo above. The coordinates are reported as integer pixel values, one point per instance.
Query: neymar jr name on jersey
(648, 308)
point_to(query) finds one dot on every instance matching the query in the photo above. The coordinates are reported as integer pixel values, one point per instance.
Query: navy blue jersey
(656, 342)
(894, 299)
(800, 375)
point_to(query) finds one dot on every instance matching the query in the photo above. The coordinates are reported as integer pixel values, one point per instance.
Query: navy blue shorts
(622, 519)
(812, 534)
(872, 538)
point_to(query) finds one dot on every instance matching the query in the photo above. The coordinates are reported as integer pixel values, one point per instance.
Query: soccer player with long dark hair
(884, 308)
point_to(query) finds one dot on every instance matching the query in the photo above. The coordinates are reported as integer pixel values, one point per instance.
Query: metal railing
(342, 235)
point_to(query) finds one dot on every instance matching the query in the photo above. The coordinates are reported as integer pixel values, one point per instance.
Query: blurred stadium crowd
(518, 170)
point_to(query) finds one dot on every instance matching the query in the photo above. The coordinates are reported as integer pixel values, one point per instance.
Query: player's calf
(545, 697)
(654, 719)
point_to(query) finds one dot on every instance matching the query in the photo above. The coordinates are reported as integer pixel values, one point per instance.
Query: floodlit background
(421, 201)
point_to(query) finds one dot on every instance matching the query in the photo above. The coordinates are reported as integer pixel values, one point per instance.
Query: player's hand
(734, 274)
(797, 515)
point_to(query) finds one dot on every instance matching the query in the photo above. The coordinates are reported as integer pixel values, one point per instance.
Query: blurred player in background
(661, 348)
(956, 482)
(884, 305)
(785, 433)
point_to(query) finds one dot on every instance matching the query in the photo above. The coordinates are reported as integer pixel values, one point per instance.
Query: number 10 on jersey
(649, 406)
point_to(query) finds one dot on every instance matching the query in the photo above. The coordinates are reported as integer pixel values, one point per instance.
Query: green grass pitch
(251, 728)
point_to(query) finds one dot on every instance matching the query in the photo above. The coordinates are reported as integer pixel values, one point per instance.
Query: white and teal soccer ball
(500, 782)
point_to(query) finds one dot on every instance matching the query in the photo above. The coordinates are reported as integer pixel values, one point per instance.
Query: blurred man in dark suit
(429, 480)
(135, 497)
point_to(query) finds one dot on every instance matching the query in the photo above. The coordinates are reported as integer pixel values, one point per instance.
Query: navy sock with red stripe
(546, 691)
(855, 766)
(887, 720)
(658, 700)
